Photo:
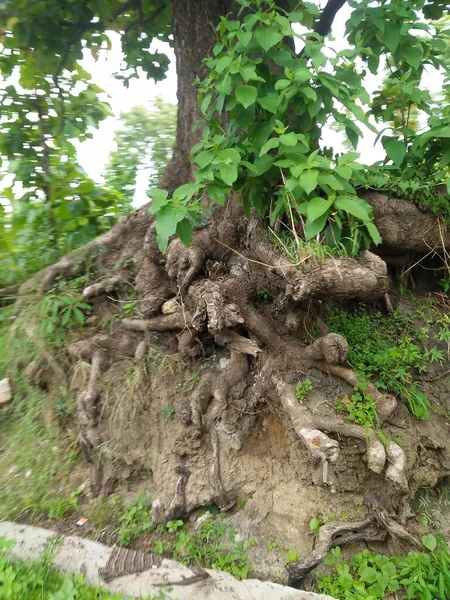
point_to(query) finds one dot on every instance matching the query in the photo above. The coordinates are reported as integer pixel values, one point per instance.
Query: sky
(93, 154)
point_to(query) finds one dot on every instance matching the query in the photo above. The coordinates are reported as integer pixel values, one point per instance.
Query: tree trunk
(193, 23)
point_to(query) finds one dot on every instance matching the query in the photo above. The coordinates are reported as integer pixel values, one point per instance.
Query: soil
(192, 397)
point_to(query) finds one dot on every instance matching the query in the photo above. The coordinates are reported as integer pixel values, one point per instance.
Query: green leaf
(78, 315)
(228, 155)
(281, 84)
(270, 102)
(288, 139)
(184, 232)
(205, 103)
(374, 233)
(224, 86)
(245, 95)
(160, 199)
(272, 143)
(352, 136)
(312, 228)
(396, 151)
(308, 180)
(412, 55)
(429, 541)
(228, 173)
(355, 206)
(244, 37)
(316, 207)
(203, 159)
(309, 93)
(267, 37)
(167, 220)
(223, 63)
(216, 193)
(302, 75)
(392, 36)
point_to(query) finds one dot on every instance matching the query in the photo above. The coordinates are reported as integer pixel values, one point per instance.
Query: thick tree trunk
(193, 24)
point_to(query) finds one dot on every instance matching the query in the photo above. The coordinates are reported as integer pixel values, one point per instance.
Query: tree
(269, 227)
(145, 142)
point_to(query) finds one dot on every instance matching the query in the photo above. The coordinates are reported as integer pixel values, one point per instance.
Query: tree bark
(193, 23)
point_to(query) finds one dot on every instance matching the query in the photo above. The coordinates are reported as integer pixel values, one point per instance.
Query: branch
(323, 27)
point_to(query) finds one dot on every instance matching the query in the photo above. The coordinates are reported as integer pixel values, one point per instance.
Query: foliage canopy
(271, 147)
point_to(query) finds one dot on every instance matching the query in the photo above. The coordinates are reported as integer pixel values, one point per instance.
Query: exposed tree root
(235, 298)
(405, 227)
(223, 501)
(388, 523)
(365, 278)
(177, 507)
(336, 533)
(373, 528)
(310, 427)
(102, 287)
(9, 295)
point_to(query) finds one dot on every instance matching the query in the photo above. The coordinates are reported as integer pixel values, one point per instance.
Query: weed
(360, 407)
(292, 555)
(38, 580)
(271, 545)
(316, 523)
(418, 575)
(303, 388)
(213, 545)
(128, 308)
(189, 383)
(136, 519)
(376, 353)
(261, 297)
(57, 314)
(167, 413)
(240, 503)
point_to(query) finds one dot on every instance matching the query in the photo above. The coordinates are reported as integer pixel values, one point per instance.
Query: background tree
(144, 143)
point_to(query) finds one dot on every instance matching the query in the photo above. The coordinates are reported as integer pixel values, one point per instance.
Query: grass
(40, 581)
(212, 545)
(37, 458)
(35, 468)
(389, 351)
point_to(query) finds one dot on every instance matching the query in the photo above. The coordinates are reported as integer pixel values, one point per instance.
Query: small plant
(213, 545)
(292, 555)
(316, 523)
(261, 297)
(128, 308)
(58, 314)
(377, 354)
(303, 388)
(360, 407)
(271, 545)
(40, 581)
(167, 413)
(136, 519)
(189, 383)
(416, 576)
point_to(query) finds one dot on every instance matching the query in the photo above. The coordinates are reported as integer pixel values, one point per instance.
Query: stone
(170, 307)
(5, 391)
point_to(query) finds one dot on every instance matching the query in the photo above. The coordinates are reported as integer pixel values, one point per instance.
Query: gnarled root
(336, 533)
(102, 287)
(388, 523)
(365, 278)
(310, 429)
(210, 398)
